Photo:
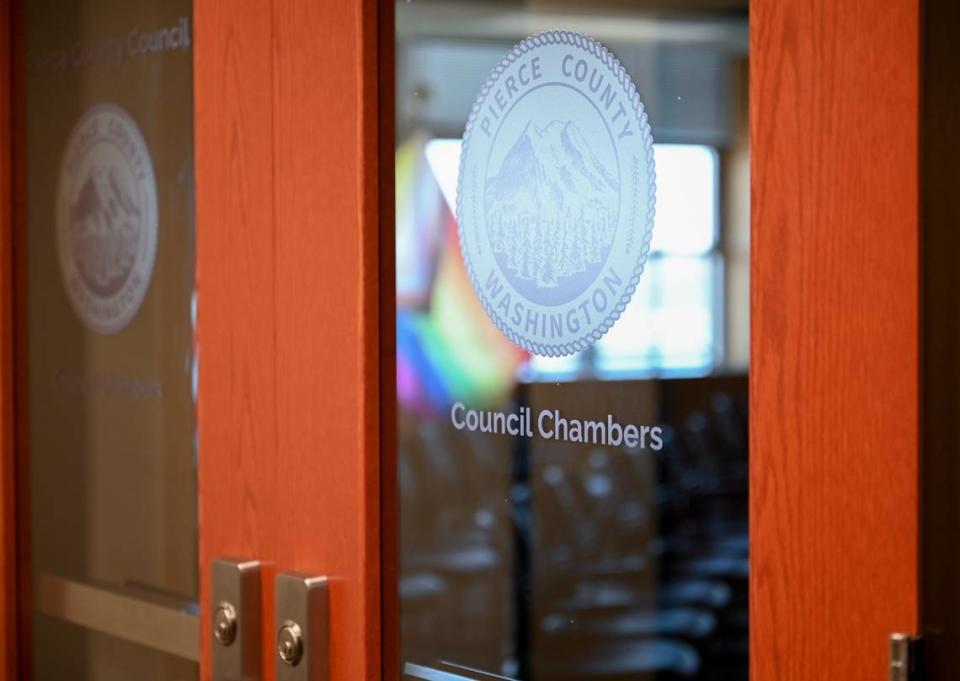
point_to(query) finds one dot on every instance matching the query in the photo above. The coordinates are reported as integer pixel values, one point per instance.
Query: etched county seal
(106, 218)
(555, 195)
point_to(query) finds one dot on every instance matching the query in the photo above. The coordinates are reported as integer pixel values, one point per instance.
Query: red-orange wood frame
(288, 286)
(290, 190)
(834, 374)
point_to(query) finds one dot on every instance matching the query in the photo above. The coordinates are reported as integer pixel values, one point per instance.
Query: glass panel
(572, 474)
(110, 267)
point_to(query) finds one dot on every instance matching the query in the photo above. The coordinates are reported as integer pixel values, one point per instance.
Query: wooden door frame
(288, 182)
(834, 374)
(834, 365)
(275, 220)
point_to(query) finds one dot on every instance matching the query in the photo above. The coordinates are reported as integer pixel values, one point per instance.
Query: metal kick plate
(236, 619)
(302, 630)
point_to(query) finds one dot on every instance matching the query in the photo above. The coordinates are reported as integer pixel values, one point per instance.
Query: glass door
(572, 248)
(108, 252)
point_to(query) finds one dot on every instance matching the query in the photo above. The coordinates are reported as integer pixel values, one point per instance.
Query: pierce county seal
(555, 195)
(106, 218)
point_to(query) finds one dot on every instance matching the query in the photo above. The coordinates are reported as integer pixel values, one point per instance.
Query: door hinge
(906, 657)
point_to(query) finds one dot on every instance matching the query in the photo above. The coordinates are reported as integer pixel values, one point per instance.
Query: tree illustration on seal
(104, 231)
(551, 207)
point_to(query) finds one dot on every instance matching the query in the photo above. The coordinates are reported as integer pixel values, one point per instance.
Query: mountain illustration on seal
(104, 231)
(551, 208)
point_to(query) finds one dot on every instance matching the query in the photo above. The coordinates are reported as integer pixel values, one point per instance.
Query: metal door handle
(236, 619)
(302, 628)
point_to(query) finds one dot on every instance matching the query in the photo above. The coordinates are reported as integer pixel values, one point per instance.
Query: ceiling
(668, 6)
(691, 22)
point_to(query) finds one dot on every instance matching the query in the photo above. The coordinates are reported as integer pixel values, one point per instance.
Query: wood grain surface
(834, 358)
(287, 263)
(286, 132)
